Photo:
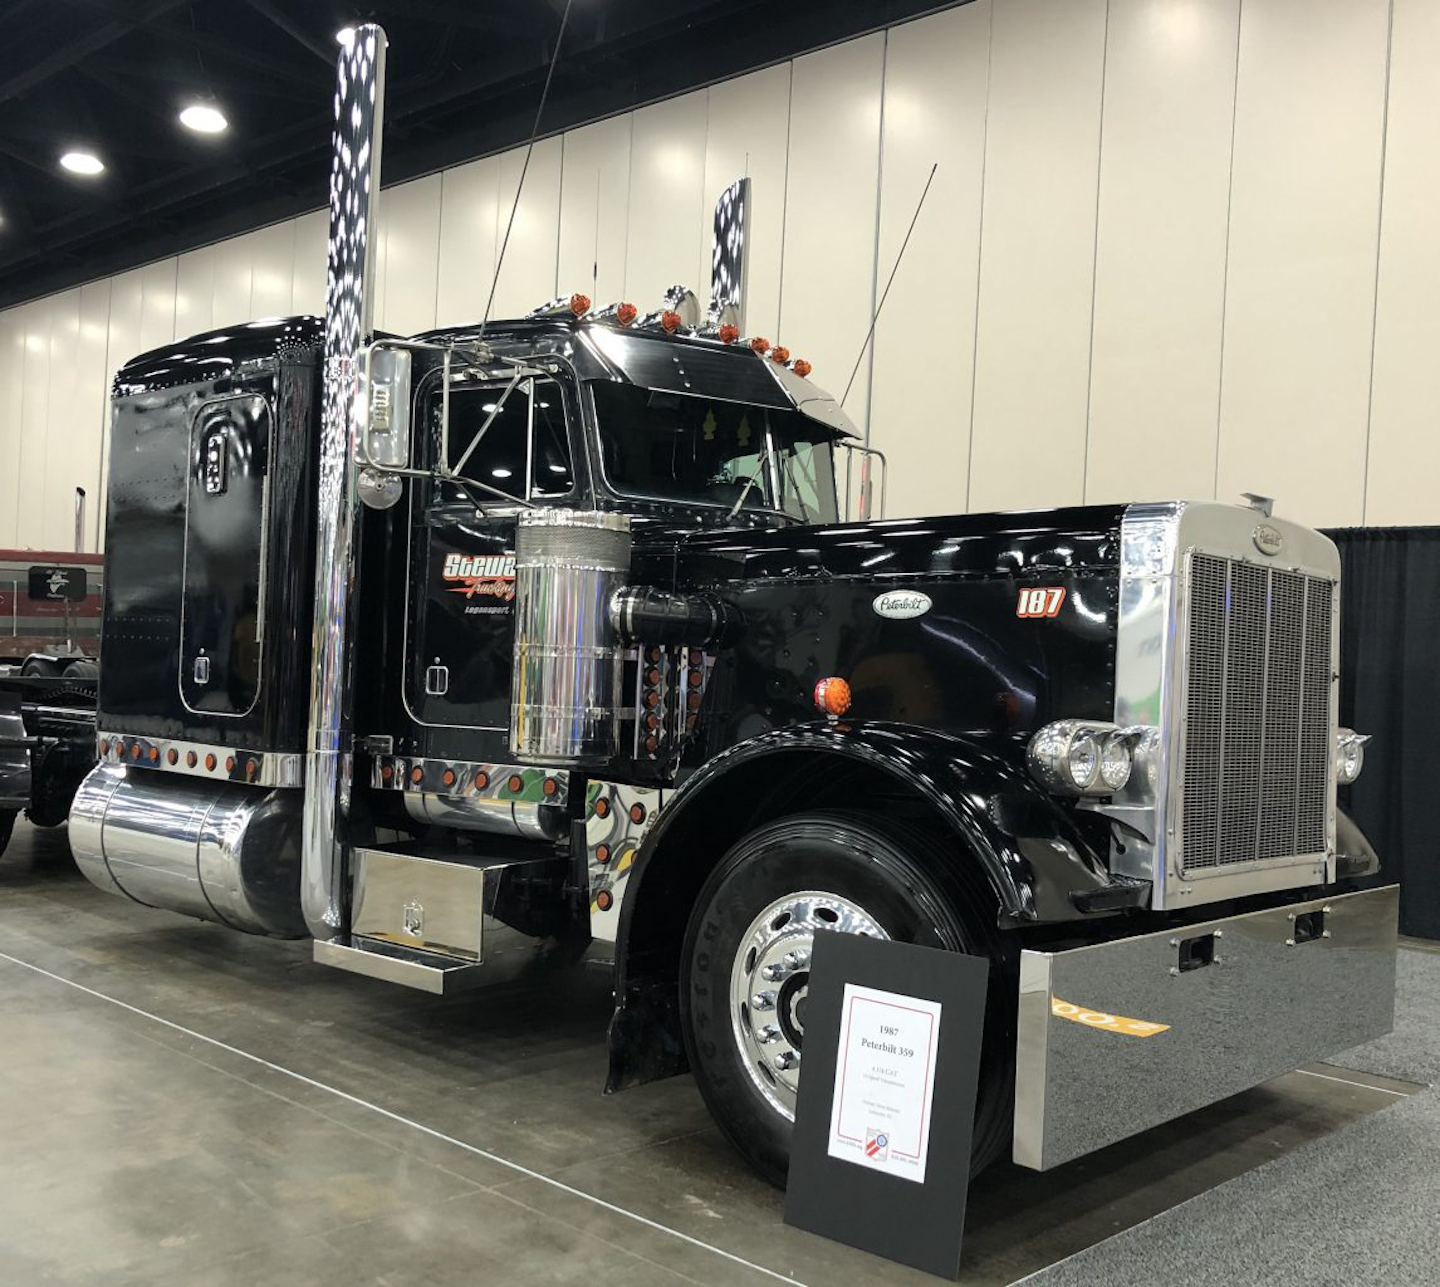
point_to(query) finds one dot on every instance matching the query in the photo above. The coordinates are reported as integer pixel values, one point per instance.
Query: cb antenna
(865, 344)
(524, 169)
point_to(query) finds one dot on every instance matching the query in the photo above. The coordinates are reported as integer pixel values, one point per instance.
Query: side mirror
(384, 424)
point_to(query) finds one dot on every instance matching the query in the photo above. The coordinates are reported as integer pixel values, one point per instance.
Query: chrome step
(427, 971)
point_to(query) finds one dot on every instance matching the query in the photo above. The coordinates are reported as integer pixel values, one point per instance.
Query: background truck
(471, 652)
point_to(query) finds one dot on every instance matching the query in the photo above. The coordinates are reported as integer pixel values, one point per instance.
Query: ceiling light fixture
(82, 163)
(345, 35)
(204, 118)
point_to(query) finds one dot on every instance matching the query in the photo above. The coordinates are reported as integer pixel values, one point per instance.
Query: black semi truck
(468, 652)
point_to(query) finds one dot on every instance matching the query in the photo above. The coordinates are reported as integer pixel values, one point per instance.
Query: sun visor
(710, 369)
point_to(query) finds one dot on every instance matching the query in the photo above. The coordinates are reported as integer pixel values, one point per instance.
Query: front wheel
(745, 963)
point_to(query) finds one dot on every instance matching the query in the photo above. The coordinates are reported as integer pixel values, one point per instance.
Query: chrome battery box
(1116, 1037)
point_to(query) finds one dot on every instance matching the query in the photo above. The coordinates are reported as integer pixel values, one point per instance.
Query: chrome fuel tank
(220, 851)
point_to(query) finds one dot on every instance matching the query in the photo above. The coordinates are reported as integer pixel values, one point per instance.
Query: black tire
(7, 827)
(914, 885)
(46, 667)
(83, 669)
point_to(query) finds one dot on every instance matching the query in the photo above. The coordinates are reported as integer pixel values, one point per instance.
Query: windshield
(669, 446)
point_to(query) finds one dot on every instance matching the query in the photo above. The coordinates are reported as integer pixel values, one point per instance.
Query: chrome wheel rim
(769, 983)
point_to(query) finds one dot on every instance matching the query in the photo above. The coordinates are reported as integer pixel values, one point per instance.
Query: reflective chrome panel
(617, 817)
(1118, 1037)
(218, 851)
(1153, 677)
(207, 760)
(727, 255)
(349, 303)
(506, 799)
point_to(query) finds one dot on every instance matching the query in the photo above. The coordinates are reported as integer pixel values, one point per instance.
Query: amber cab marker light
(637, 813)
(670, 321)
(154, 755)
(602, 807)
(482, 780)
(190, 758)
(729, 333)
(551, 787)
(210, 762)
(760, 344)
(626, 313)
(229, 764)
(172, 756)
(579, 304)
(516, 782)
(832, 696)
(417, 774)
(603, 900)
(448, 777)
(802, 368)
(602, 853)
(135, 751)
(780, 354)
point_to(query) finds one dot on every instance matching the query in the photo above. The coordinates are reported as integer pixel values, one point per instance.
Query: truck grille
(1256, 750)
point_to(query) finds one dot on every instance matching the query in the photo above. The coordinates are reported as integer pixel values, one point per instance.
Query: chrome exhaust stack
(349, 320)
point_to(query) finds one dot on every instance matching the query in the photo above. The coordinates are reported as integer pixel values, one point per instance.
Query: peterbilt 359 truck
(478, 650)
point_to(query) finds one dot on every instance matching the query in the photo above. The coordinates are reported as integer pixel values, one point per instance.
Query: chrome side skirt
(1118, 1037)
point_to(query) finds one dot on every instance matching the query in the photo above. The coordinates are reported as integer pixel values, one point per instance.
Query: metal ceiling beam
(90, 43)
(321, 49)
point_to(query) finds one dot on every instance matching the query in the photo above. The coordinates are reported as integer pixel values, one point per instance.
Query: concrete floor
(182, 1104)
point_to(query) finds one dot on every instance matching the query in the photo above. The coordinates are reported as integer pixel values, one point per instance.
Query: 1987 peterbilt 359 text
(596, 659)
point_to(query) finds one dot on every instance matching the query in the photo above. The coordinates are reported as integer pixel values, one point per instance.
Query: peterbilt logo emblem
(902, 605)
(413, 919)
(1268, 540)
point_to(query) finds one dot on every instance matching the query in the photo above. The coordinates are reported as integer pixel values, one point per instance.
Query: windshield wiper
(744, 492)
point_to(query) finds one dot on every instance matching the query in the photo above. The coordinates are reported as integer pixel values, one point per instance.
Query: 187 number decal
(1041, 601)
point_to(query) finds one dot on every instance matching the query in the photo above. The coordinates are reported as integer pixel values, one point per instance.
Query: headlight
(1079, 757)
(1349, 755)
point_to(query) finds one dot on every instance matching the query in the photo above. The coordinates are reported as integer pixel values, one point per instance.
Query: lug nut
(763, 1001)
(797, 959)
(774, 973)
(767, 1034)
(786, 1060)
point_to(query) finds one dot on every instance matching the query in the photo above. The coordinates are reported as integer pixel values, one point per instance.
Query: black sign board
(873, 1174)
(47, 583)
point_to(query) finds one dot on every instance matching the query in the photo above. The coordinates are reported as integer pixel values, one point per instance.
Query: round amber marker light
(602, 807)
(516, 782)
(637, 813)
(604, 899)
(210, 762)
(172, 756)
(482, 780)
(190, 758)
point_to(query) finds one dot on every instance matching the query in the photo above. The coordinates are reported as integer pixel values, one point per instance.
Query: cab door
(461, 623)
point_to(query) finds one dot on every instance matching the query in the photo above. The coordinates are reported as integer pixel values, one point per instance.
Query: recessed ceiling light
(345, 35)
(82, 163)
(204, 118)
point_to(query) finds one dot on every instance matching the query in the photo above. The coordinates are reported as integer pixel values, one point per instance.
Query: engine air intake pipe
(642, 614)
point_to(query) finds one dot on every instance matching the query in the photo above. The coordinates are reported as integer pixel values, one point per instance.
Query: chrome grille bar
(1257, 731)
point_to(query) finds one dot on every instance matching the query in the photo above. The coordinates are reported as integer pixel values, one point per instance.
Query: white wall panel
(1301, 284)
(54, 474)
(122, 344)
(528, 273)
(1404, 456)
(1037, 254)
(667, 200)
(233, 265)
(308, 281)
(935, 82)
(157, 308)
(91, 408)
(828, 288)
(12, 388)
(272, 270)
(469, 195)
(195, 292)
(748, 135)
(410, 225)
(1160, 248)
(34, 423)
(595, 209)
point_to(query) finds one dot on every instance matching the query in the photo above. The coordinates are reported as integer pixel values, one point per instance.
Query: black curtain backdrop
(1390, 688)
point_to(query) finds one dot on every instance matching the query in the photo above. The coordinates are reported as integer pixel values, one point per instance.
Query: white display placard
(884, 1081)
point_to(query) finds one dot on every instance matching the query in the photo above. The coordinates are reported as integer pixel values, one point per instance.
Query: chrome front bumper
(1118, 1037)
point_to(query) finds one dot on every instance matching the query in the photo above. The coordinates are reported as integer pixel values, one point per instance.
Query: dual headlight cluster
(1083, 757)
